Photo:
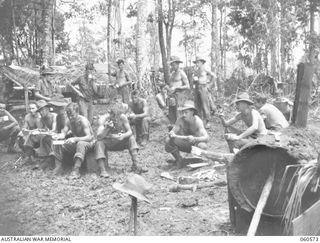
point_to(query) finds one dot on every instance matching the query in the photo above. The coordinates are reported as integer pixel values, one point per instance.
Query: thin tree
(162, 42)
(141, 59)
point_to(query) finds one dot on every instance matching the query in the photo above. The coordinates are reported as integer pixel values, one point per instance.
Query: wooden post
(26, 97)
(134, 204)
(261, 204)
(303, 92)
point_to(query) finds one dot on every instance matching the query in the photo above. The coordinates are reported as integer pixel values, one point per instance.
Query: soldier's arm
(37, 93)
(64, 131)
(87, 131)
(54, 123)
(212, 78)
(230, 122)
(145, 110)
(101, 127)
(253, 128)
(26, 123)
(126, 125)
(176, 128)
(185, 81)
(94, 87)
(40, 96)
(128, 80)
(202, 132)
(12, 119)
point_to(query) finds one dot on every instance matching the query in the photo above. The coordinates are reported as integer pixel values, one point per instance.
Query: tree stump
(303, 93)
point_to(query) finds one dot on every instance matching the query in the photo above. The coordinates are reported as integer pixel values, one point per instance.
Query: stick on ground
(261, 203)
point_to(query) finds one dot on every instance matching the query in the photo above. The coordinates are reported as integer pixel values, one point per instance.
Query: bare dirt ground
(33, 202)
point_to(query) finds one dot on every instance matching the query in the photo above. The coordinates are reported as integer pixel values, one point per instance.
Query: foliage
(28, 21)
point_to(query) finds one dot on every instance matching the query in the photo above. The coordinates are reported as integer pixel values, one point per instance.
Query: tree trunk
(142, 55)
(14, 34)
(35, 41)
(108, 40)
(221, 39)
(162, 43)
(3, 47)
(274, 27)
(282, 42)
(155, 38)
(312, 31)
(303, 93)
(215, 54)
(53, 31)
(224, 43)
(46, 54)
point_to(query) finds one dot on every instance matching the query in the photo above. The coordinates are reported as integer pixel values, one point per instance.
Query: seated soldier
(188, 131)
(114, 134)
(49, 124)
(29, 142)
(252, 119)
(59, 105)
(273, 117)
(9, 128)
(140, 117)
(78, 145)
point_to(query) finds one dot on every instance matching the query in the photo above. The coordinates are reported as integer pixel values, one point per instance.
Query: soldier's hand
(172, 134)
(71, 140)
(231, 136)
(132, 116)
(120, 136)
(191, 139)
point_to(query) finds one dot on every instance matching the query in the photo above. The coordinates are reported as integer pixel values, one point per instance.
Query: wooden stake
(261, 204)
(134, 204)
(26, 98)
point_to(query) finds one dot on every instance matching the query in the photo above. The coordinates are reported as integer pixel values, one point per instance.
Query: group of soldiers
(55, 126)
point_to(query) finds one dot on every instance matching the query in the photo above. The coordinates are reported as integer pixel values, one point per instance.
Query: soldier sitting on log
(140, 117)
(49, 124)
(273, 117)
(114, 134)
(251, 117)
(9, 128)
(26, 140)
(188, 131)
(82, 141)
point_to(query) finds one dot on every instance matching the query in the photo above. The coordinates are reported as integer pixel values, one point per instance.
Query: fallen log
(249, 169)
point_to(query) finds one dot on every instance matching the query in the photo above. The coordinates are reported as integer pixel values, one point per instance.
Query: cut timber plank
(197, 165)
(261, 204)
(308, 223)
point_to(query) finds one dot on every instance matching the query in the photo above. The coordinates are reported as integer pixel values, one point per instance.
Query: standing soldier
(122, 82)
(46, 88)
(9, 127)
(178, 85)
(201, 92)
(88, 90)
